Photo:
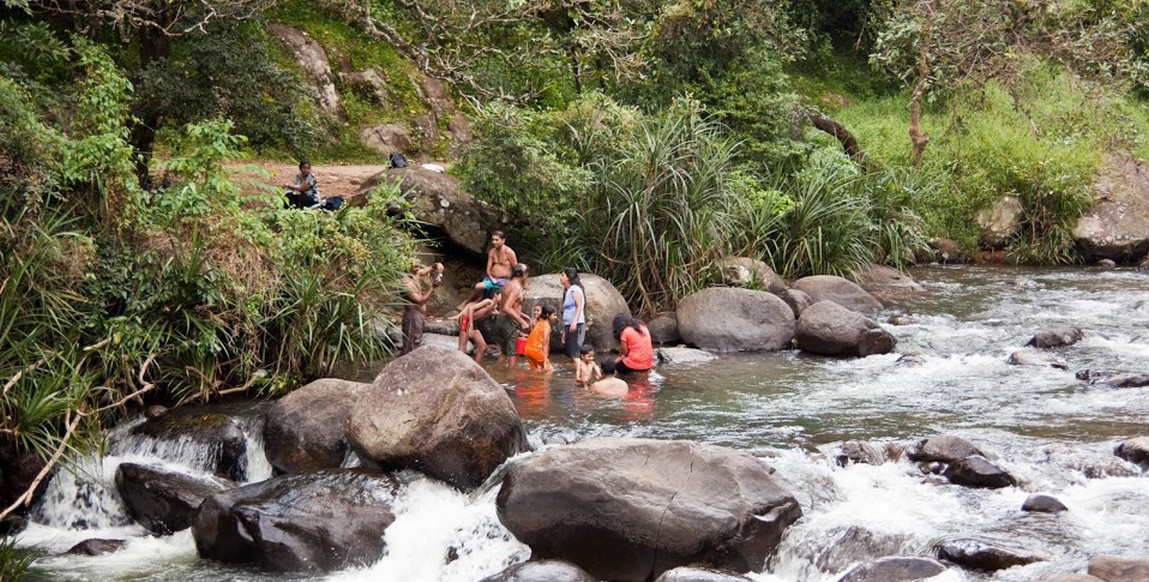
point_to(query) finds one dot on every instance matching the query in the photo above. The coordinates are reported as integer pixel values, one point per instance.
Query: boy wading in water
(586, 370)
(501, 260)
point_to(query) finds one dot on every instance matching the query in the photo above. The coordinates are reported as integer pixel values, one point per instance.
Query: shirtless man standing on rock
(500, 261)
(509, 319)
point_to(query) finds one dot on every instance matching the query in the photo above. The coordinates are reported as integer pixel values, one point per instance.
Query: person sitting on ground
(304, 191)
(635, 349)
(586, 369)
(415, 316)
(500, 262)
(610, 386)
(538, 349)
(475, 313)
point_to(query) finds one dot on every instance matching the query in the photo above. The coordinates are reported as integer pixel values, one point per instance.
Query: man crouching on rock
(415, 317)
(509, 320)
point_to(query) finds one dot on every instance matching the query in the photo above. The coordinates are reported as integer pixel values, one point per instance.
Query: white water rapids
(1056, 434)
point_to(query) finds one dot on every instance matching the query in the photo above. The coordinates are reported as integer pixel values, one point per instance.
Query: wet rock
(858, 452)
(946, 250)
(1055, 338)
(306, 430)
(985, 556)
(1043, 504)
(154, 410)
(1074, 578)
(885, 280)
(663, 329)
(683, 356)
(218, 433)
(1117, 569)
(910, 359)
(894, 569)
(841, 291)
(603, 302)
(1134, 450)
(1113, 379)
(96, 547)
(943, 448)
(542, 571)
(1105, 264)
(18, 469)
(699, 574)
(853, 544)
(1034, 357)
(797, 300)
(596, 503)
(902, 319)
(976, 471)
(12, 525)
(163, 501)
(828, 329)
(750, 273)
(326, 520)
(728, 319)
(447, 342)
(436, 411)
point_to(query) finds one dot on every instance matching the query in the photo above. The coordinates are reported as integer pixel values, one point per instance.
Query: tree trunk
(918, 138)
(153, 44)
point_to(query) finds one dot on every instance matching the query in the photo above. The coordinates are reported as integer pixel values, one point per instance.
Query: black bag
(398, 160)
(333, 203)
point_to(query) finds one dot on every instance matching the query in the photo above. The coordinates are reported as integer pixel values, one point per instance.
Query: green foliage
(15, 563)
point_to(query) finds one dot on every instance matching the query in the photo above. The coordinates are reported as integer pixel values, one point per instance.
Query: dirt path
(334, 180)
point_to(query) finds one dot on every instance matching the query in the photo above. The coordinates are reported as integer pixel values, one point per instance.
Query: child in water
(586, 369)
(610, 386)
(538, 349)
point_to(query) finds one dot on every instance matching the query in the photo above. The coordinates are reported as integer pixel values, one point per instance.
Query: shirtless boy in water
(500, 260)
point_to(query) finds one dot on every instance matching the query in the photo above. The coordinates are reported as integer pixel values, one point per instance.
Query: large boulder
(603, 302)
(663, 329)
(942, 448)
(439, 202)
(1117, 569)
(751, 274)
(984, 555)
(999, 222)
(841, 291)
(19, 468)
(976, 471)
(164, 501)
(312, 60)
(894, 569)
(728, 319)
(829, 329)
(1117, 227)
(698, 574)
(96, 547)
(885, 280)
(630, 509)
(541, 571)
(436, 411)
(219, 435)
(1055, 338)
(306, 430)
(1134, 450)
(326, 520)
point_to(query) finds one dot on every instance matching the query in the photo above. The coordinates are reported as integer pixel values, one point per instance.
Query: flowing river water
(1055, 433)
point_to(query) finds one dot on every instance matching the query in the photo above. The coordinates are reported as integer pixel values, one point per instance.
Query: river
(1055, 433)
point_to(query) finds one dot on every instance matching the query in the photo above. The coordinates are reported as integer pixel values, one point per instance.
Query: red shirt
(639, 352)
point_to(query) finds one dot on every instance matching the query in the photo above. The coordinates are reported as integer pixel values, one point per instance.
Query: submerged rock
(307, 429)
(976, 471)
(698, 574)
(326, 520)
(215, 432)
(859, 452)
(943, 448)
(1034, 357)
(1074, 578)
(828, 329)
(436, 411)
(542, 571)
(841, 291)
(163, 501)
(1113, 379)
(1039, 503)
(1055, 338)
(885, 280)
(1117, 569)
(894, 569)
(630, 509)
(96, 547)
(1134, 450)
(985, 556)
(727, 319)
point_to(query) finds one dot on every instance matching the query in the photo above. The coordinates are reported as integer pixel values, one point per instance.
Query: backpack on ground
(398, 160)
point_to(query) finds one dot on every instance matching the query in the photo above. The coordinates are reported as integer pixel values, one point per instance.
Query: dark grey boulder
(96, 547)
(307, 429)
(1134, 450)
(1118, 569)
(700, 574)
(826, 328)
(841, 291)
(1113, 379)
(663, 329)
(161, 500)
(1039, 503)
(630, 509)
(1055, 338)
(436, 411)
(978, 472)
(326, 520)
(12, 525)
(217, 433)
(985, 555)
(542, 571)
(942, 448)
(894, 569)
(727, 319)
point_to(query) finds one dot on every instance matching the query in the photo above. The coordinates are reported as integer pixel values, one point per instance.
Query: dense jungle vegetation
(637, 139)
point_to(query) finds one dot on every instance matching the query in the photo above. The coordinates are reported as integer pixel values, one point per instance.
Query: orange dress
(537, 343)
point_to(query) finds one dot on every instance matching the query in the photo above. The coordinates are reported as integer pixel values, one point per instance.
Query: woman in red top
(636, 352)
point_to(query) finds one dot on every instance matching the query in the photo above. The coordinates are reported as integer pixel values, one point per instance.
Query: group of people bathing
(500, 296)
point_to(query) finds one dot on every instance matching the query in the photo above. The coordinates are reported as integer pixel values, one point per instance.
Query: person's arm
(622, 348)
(579, 301)
(491, 264)
(547, 349)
